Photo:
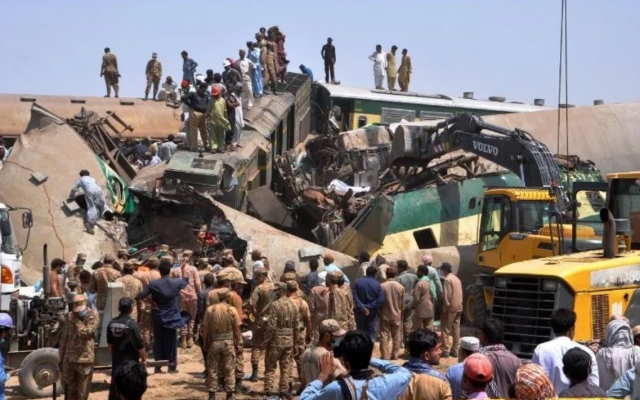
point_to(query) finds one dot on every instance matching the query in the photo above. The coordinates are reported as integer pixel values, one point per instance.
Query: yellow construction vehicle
(518, 224)
(596, 284)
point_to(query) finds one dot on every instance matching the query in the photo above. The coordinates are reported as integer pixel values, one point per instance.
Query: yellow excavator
(596, 284)
(516, 224)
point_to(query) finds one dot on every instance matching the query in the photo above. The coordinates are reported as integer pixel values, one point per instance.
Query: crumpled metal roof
(365, 137)
(266, 113)
(53, 148)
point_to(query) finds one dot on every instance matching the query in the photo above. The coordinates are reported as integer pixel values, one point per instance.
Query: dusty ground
(188, 383)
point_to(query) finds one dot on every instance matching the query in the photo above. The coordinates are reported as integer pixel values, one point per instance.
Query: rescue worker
(76, 351)
(328, 53)
(256, 74)
(246, 69)
(188, 297)
(203, 299)
(110, 72)
(423, 295)
(223, 341)
(451, 311)
(154, 74)
(131, 288)
(391, 68)
(330, 336)
(94, 198)
(124, 340)
(230, 75)
(318, 305)
(405, 71)
(6, 326)
(340, 308)
(268, 60)
(74, 269)
(391, 316)
(217, 120)
(56, 277)
(303, 338)
(165, 292)
(146, 316)
(282, 329)
(188, 68)
(227, 278)
(260, 303)
(99, 283)
(379, 59)
(197, 102)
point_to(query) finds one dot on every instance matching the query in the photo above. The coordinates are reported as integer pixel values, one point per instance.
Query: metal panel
(525, 311)
(599, 315)
(427, 115)
(391, 115)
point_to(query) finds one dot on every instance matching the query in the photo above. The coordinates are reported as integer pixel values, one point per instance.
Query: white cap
(226, 63)
(470, 343)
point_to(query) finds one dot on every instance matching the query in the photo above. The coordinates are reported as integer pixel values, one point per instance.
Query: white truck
(10, 255)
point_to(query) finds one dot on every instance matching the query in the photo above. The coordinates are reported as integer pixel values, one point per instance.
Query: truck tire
(475, 306)
(38, 372)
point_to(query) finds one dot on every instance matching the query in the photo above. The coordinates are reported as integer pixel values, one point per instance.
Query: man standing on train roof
(379, 59)
(110, 72)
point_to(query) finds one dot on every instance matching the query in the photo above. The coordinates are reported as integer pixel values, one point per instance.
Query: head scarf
(618, 334)
(532, 383)
(618, 353)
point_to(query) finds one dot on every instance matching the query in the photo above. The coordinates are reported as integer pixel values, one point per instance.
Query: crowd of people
(319, 330)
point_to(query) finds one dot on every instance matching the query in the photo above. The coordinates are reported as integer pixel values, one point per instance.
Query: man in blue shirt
(6, 325)
(167, 317)
(306, 71)
(356, 349)
(623, 387)
(367, 298)
(468, 346)
(330, 266)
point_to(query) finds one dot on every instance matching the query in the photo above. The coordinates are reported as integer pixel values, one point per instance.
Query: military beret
(292, 285)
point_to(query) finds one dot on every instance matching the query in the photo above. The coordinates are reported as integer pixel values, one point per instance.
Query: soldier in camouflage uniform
(282, 328)
(131, 288)
(73, 272)
(268, 59)
(304, 326)
(340, 301)
(76, 349)
(154, 74)
(99, 283)
(260, 302)
(146, 316)
(223, 341)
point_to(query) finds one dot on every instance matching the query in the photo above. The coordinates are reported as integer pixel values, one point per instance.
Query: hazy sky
(506, 48)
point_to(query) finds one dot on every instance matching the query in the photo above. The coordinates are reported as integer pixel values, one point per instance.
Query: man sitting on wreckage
(94, 197)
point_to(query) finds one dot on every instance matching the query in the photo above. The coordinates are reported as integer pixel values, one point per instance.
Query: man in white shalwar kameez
(379, 59)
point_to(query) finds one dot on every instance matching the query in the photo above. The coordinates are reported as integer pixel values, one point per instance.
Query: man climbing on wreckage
(93, 196)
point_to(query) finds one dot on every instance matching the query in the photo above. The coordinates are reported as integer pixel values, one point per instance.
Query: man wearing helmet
(6, 325)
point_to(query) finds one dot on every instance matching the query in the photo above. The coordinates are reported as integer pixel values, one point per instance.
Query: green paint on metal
(443, 203)
(375, 107)
(111, 178)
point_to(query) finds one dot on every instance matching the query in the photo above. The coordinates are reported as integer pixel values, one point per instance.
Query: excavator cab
(623, 200)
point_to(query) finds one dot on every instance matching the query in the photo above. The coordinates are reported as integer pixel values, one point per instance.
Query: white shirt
(379, 63)
(154, 160)
(549, 356)
(239, 113)
(246, 66)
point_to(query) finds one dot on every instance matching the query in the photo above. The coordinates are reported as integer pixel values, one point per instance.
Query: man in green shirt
(217, 117)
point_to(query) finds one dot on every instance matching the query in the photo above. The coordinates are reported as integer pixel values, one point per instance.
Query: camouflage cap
(79, 303)
(108, 259)
(279, 286)
(187, 253)
(292, 285)
(222, 293)
(331, 326)
(335, 275)
(123, 252)
(231, 274)
(81, 256)
(164, 247)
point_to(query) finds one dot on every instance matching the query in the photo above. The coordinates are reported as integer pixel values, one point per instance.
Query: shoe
(444, 355)
(453, 354)
(173, 371)
(157, 370)
(240, 388)
(254, 374)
